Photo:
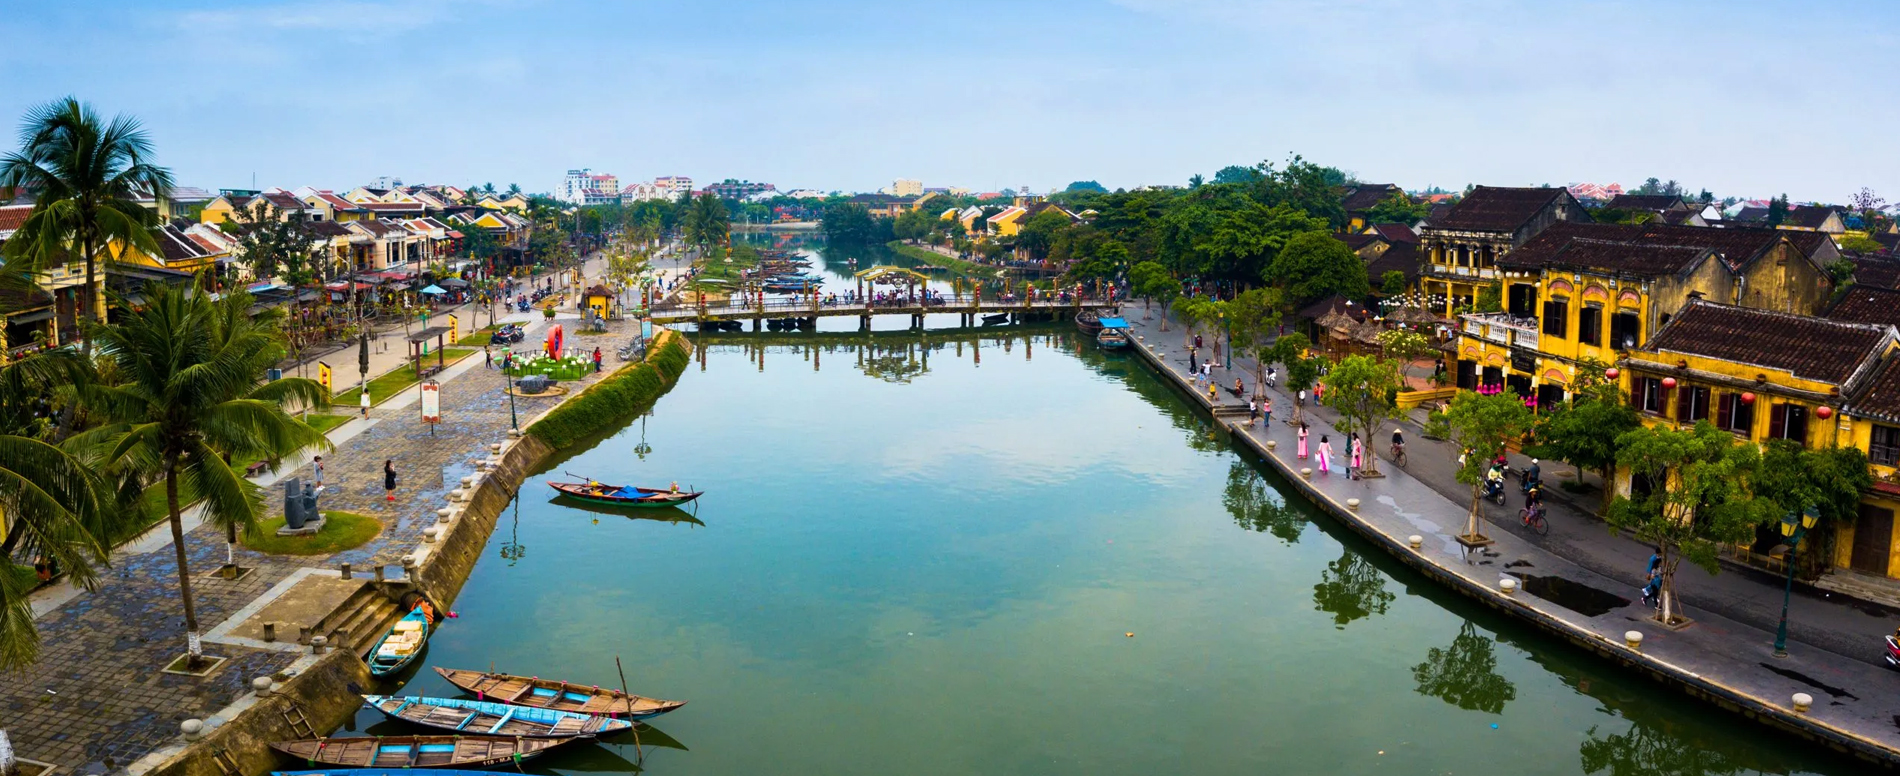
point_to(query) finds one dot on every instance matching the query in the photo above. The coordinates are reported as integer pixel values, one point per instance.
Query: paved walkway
(1729, 650)
(96, 700)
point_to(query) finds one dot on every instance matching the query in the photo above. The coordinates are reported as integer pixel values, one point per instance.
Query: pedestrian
(389, 479)
(42, 569)
(1194, 367)
(488, 357)
(1358, 454)
(596, 359)
(1213, 394)
(319, 464)
(1197, 342)
(1266, 411)
(1302, 441)
(362, 400)
(1319, 393)
(1300, 401)
(1325, 454)
(1253, 413)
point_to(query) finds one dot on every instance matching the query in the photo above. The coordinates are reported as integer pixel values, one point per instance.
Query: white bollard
(1306, 472)
(317, 643)
(1507, 585)
(192, 728)
(429, 534)
(495, 448)
(444, 513)
(261, 685)
(1272, 444)
(468, 480)
(1352, 504)
(457, 494)
(1415, 540)
(1802, 702)
(1634, 639)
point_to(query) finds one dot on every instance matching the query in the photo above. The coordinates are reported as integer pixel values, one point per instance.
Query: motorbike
(1493, 490)
(1893, 652)
(1527, 482)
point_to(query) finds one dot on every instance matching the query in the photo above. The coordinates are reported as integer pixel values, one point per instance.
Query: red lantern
(1611, 373)
(1824, 412)
(1669, 382)
(1748, 398)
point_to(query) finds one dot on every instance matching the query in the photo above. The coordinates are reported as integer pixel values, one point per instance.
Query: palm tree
(86, 177)
(190, 401)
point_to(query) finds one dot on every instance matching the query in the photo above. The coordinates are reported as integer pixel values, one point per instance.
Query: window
(1734, 415)
(1884, 447)
(1557, 318)
(1692, 403)
(1523, 300)
(1590, 325)
(1626, 331)
(1648, 392)
(1788, 421)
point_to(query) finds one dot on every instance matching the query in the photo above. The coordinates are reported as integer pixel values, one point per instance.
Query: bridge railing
(840, 305)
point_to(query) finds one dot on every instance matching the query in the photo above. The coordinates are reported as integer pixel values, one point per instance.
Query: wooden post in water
(626, 696)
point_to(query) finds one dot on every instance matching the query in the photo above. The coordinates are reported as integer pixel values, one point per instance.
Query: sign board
(455, 328)
(646, 329)
(323, 376)
(431, 401)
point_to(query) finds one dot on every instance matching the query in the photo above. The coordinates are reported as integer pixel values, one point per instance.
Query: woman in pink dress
(1358, 456)
(1302, 441)
(1325, 452)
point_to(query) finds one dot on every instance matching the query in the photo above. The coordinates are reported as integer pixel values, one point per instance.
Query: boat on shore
(561, 696)
(408, 752)
(461, 715)
(625, 495)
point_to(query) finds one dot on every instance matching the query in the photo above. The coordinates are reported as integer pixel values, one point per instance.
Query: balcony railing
(1503, 329)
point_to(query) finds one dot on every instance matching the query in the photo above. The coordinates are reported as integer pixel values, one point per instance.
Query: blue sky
(1746, 98)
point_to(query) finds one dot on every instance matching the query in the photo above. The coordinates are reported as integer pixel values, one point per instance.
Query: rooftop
(1497, 209)
(1645, 249)
(1867, 304)
(1809, 348)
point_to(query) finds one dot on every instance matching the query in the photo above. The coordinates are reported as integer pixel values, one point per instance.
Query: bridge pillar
(864, 323)
(756, 323)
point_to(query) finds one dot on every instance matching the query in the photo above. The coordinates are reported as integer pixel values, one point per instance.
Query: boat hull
(549, 694)
(408, 752)
(383, 662)
(459, 715)
(652, 498)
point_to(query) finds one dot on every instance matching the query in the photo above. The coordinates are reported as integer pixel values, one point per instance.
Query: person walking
(362, 400)
(1358, 454)
(389, 479)
(318, 463)
(1325, 454)
(1319, 393)
(1266, 412)
(488, 358)
(596, 359)
(1302, 441)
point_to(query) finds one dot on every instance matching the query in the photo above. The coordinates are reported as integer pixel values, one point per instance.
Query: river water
(1006, 552)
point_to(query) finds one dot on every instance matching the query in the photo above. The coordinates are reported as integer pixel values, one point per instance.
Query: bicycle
(1398, 455)
(1533, 518)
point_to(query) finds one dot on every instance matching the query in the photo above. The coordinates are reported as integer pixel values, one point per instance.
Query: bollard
(340, 637)
(428, 534)
(317, 644)
(1634, 639)
(495, 448)
(261, 685)
(409, 566)
(1352, 504)
(1802, 702)
(1415, 540)
(1272, 444)
(1508, 585)
(444, 512)
(382, 575)
(467, 480)
(514, 433)
(345, 567)
(457, 495)
(270, 631)
(192, 728)
(1306, 472)
(303, 634)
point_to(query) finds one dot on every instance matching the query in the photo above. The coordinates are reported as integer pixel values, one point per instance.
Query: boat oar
(626, 696)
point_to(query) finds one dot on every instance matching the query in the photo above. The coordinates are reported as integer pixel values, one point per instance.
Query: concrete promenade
(97, 700)
(1721, 658)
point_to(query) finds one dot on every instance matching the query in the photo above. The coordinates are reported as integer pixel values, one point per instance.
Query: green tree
(1694, 500)
(1153, 282)
(851, 225)
(1584, 434)
(1831, 480)
(1392, 283)
(1256, 319)
(1360, 389)
(1401, 347)
(1490, 298)
(1482, 426)
(1777, 210)
(86, 176)
(1041, 233)
(1087, 186)
(1397, 209)
(191, 400)
(707, 223)
(1315, 266)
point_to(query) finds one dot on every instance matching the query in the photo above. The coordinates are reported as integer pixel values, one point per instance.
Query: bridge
(970, 307)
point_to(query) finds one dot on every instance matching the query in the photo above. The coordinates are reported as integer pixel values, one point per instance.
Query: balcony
(1503, 329)
(1459, 271)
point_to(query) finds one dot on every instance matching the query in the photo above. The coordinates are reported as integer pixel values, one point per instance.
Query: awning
(434, 289)
(36, 315)
(452, 283)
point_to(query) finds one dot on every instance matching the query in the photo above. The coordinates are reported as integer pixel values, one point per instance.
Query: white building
(676, 186)
(384, 182)
(583, 187)
(905, 187)
(808, 194)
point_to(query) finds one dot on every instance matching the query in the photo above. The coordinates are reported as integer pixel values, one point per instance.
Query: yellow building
(1462, 248)
(1009, 222)
(1871, 420)
(1589, 292)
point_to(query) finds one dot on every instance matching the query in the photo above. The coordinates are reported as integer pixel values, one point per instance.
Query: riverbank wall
(323, 694)
(1703, 685)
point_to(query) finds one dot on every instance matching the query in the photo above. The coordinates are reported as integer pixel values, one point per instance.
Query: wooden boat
(994, 318)
(1114, 333)
(549, 694)
(624, 495)
(1088, 322)
(400, 646)
(383, 772)
(494, 719)
(417, 751)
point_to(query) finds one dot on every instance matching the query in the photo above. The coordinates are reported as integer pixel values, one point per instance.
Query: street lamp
(1793, 529)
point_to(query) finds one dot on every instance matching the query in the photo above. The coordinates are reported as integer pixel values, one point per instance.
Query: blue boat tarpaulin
(1113, 323)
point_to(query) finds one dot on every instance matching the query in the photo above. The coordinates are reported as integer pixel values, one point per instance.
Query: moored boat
(1088, 322)
(384, 772)
(417, 751)
(400, 646)
(625, 495)
(550, 694)
(1114, 333)
(462, 715)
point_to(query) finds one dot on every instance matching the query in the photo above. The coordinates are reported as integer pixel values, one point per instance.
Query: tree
(1301, 370)
(190, 401)
(1360, 389)
(1153, 282)
(1584, 434)
(707, 223)
(1481, 426)
(1401, 347)
(1777, 210)
(1080, 186)
(514, 189)
(1793, 478)
(1351, 588)
(87, 176)
(1465, 674)
(1490, 298)
(1188, 309)
(1871, 208)
(1690, 498)
(1042, 231)
(1397, 209)
(1235, 173)
(851, 225)
(1315, 266)
(1256, 317)
(274, 246)
(1392, 283)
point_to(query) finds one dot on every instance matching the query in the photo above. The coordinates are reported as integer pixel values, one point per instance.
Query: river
(1006, 552)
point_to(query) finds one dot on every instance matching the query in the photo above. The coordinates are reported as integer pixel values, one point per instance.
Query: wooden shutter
(1777, 421)
(1798, 424)
(1685, 403)
(1724, 410)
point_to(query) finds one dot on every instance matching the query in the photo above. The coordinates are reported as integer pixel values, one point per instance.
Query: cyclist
(1398, 443)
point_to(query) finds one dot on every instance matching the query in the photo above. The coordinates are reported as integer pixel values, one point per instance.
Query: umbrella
(434, 289)
(453, 283)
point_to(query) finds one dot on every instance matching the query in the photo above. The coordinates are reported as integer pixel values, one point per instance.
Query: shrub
(627, 392)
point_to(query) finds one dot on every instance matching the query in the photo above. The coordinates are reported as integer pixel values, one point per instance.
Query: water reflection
(894, 362)
(1648, 749)
(512, 550)
(1256, 506)
(1465, 674)
(1350, 589)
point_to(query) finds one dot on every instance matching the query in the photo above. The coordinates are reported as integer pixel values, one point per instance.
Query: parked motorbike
(1893, 652)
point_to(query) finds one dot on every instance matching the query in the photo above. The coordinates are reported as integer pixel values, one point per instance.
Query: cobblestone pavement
(97, 699)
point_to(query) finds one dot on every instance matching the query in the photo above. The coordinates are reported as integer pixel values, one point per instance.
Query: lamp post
(1793, 528)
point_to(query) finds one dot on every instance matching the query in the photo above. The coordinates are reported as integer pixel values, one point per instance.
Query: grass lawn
(342, 531)
(477, 338)
(381, 388)
(323, 422)
(556, 369)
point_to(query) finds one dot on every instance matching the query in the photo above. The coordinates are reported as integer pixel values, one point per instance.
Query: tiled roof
(1657, 202)
(1357, 241)
(1806, 216)
(1809, 348)
(1496, 208)
(1365, 195)
(1648, 249)
(1881, 398)
(328, 229)
(12, 217)
(1878, 272)
(1868, 304)
(393, 207)
(1402, 257)
(1396, 233)
(283, 200)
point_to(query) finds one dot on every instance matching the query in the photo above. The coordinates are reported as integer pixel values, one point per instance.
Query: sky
(1743, 97)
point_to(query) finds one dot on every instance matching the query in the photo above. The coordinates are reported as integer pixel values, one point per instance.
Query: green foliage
(1793, 478)
(1087, 186)
(625, 393)
(1465, 674)
(1392, 283)
(1697, 500)
(853, 225)
(1856, 243)
(1361, 389)
(1397, 209)
(1403, 346)
(1490, 298)
(1257, 506)
(1777, 210)
(1584, 433)
(276, 246)
(1351, 588)
(1040, 235)
(1482, 426)
(1151, 280)
(1315, 266)
(341, 531)
(706, 222)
